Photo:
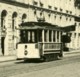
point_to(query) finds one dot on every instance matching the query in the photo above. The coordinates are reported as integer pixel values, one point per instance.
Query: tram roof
(45, 25)
(39, 25)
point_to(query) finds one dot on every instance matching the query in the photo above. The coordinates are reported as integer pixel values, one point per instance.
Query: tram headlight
(25, 52)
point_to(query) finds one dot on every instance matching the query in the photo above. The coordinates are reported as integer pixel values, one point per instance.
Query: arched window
(24, 17)
(14, 15)
(3, 15)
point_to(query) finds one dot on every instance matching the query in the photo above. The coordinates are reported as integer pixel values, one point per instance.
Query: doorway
(2, 44)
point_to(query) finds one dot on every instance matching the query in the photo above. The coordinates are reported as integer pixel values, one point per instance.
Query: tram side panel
(51, 48)
(27, 51)
(36, 51)
(50, 51)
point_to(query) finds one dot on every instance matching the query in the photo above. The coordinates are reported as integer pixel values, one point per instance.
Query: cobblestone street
(67, 67)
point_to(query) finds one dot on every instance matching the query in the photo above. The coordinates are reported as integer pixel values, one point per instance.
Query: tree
(65, 39)
(77, 3)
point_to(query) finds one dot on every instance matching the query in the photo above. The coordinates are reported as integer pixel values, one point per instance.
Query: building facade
(58, 12)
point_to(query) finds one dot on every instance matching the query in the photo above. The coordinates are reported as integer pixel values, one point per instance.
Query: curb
(71, 53)
(7, 58)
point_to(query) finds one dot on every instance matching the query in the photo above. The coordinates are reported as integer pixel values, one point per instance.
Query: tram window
(49, 36)
(26, 39)
(22, 36)
(40, 35)
(32, 36)
(57, 36)
(45, 35)
(35, 37)
(54, 36)
(28, 36)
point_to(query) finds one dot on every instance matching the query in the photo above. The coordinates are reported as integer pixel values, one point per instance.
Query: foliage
(77, 3)
(66, 39)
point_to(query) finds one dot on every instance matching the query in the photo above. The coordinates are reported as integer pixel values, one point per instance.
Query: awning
(69, 28)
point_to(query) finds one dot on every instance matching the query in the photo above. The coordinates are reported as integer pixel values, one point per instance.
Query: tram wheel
(59, 57)
(46, 58)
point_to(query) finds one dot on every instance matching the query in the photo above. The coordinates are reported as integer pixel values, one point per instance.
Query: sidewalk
(71, 53)
(7, 58)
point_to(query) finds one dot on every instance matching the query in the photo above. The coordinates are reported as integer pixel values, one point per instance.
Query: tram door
(2, 44)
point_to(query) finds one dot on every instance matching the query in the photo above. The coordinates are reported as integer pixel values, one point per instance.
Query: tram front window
(28, 36)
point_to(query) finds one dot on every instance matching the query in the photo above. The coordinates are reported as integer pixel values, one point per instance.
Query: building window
(67, 11)
(14, 20)
(50, 7)
(70, 12)
(75, 23)
(24, 17)
(35, 3)
(61, 10)
(74, 35)
(55, 15)
(49, 14)
(55, 8)
(41, 13)
(35, 12)
(70, 34)
(41, 4)
(66, 18)
(60, 17)
(70, 18)
(3, 15)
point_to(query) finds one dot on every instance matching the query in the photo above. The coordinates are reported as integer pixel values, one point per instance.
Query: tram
(39, 40)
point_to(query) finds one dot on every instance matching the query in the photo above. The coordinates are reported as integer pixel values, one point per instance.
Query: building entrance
(2, 44)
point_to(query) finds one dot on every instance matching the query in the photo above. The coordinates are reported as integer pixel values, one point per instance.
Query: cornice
(15, 3)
